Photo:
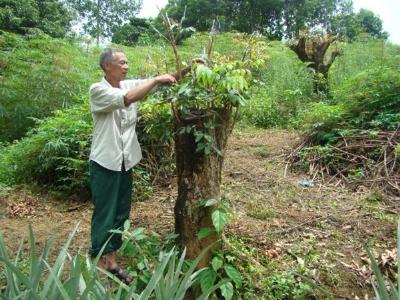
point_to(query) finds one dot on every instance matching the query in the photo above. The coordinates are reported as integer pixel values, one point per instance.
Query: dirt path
(280, 220)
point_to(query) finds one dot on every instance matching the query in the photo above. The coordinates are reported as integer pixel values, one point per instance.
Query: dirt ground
(284, 220)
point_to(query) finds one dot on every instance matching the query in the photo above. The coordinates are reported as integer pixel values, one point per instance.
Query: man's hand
(165, 78)
(199, 60)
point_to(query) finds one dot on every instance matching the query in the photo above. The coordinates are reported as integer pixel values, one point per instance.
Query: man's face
(118, 68)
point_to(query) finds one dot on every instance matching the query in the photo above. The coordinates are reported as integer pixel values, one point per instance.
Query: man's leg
(104, 184)
(124, 205)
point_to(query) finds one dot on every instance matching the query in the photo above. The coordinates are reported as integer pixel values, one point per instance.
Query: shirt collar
(104, 81)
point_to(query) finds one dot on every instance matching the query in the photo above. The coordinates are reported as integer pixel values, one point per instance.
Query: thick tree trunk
(312, 49)
(199, 178)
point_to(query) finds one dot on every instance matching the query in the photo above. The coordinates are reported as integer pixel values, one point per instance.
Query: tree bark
(312, 49)
(199, 178)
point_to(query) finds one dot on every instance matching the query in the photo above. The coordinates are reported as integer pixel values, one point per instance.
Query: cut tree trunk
(199, 178)
(313, 49)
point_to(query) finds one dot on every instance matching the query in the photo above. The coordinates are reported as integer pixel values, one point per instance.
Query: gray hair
(107, 55)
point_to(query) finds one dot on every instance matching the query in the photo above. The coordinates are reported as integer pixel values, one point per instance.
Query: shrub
(367, 101)
(54, 153)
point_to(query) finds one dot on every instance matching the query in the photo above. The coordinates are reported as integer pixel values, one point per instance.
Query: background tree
(137, 29)
(274, 18)
(349, 24)
(256, 15)
(51, 16)
(371, 23)
(100, 16)
(199, 13)
(312, 48)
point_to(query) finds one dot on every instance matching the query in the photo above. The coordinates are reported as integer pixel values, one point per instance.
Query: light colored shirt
(114, 138)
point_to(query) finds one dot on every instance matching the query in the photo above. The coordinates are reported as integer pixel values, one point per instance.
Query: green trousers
(112, 196)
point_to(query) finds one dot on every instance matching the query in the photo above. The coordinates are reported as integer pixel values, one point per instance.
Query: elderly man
(115, 150)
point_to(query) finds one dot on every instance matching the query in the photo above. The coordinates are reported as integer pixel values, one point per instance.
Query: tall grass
(39, 75)
(283, 91)
(365, 53)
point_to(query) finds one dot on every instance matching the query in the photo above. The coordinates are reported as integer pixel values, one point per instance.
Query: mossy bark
(199, 178)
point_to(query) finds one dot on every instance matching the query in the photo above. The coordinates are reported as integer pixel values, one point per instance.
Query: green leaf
(217, 263)
(380, 290)
(234, 275)
(198, 136)
(219, 218)
(227, 290)
(127, 224)
(207, 279)
(210, 202)
(207, 150)
(204, 232)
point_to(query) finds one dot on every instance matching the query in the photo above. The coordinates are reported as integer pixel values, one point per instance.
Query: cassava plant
(205, 106)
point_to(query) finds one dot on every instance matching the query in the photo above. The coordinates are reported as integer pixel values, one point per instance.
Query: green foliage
(211, 89)
(51, 16)
(44, 281)
(362, 54)
(39, 75)
(220, 214)
(199, 14)
(53, 153)
(286, 286)
(368, 101)
(144, 251)
(220, 271)
(371, 23)
(384, 288)
(350, 24)
(56, 152)
(137, 32)
(275, 19)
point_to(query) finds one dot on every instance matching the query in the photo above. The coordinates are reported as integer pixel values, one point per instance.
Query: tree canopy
(138, 29)
(278, 18)
(51, 16)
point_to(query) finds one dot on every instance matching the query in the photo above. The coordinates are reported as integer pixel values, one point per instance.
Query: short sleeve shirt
(114, 135)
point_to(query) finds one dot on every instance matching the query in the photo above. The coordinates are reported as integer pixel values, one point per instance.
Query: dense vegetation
(282, 97)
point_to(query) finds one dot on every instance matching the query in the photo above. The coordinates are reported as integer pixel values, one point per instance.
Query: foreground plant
(382, 290)
(77, 277)
(43, 281)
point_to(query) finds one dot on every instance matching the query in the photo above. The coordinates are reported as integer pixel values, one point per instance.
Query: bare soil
(284, 221)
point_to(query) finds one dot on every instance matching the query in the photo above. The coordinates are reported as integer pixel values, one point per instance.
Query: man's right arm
(141, 91)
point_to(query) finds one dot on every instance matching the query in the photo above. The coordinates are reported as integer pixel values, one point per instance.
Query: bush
(53, 153)
(367, 101)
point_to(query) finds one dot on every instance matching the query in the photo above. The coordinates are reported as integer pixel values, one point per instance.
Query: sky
(388, 10)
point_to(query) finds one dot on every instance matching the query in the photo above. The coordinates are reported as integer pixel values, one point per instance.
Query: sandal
(121, 274)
